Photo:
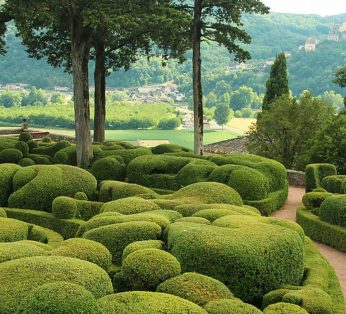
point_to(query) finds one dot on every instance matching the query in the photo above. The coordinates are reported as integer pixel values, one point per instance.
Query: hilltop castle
(338, 32)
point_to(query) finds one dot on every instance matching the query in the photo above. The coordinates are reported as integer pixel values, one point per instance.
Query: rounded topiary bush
(284, 308)
(25, 137)
(233, 253)
(116, 237)
(108, 169)
(15, 250)
(51, 149)
(59, 298)
(64, 207)
(23, 147)
(10, 155)
(146, 269)
(197, 288)
(26, 162)
(12, 230)
(19, 277)
(196, 220)
(169, 148)
(130, 205)
(32, 144)
(46, 139)
(41, 159)
(212, 214)
(313, 200)
(333, 210)
(147, 302)
(87, 250)
(141, 245)
(66, 156)
(335, 184)
(231, 306)
(7, 172)
(80, 196)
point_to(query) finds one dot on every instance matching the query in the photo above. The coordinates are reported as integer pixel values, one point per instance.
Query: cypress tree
(277, 84)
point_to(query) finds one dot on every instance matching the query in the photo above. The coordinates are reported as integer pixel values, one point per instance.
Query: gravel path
(336, 258)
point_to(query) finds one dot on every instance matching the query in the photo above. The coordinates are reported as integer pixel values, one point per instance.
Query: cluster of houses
(23, 86)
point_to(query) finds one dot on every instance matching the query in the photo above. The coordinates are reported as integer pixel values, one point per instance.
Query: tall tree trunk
(197, 82)
(100, 92)
(80, 49)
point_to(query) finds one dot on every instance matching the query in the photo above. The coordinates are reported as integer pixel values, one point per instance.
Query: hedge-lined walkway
(336, 258)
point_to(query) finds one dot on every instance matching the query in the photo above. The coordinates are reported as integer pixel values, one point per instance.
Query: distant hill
(271, 34)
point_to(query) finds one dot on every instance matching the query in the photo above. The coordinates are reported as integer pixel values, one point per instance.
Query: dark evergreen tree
(340, 79)
(277, 84)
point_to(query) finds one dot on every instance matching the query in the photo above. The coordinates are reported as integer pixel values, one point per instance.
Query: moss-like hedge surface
(147, 302)
(19, 277)
(231, 306)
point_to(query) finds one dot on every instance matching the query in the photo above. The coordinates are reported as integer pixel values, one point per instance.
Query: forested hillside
(271, 34)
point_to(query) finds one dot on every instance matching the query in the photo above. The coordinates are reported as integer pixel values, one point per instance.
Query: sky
(321, 7)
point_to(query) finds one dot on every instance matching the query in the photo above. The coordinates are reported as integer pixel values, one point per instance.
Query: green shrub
(313, 200)
(251, 184)
(46, 139)
(169, 148)
(32, 144)
(113, 190)
(140, 245)
(3, 213)
(321, 231)
(7, 172)
(171, 215)
(44, 237)
(37, 186)
(25, 137)
(23, 147)
(64, 207)
(207, 249)
(10, 155)
(84, 249)
(80, 196)
(41, 159)
(334, 184)
(59, 298)
(231, 306)
(169, 123)
(141, 302)
(15, 250)
(146, 269)
(19, 277)
(207, 193)
(52, 149)
(284, 308)
(88, 209)
(333, 210)
(116, 237)
(126, 154)
(26, 162)
(129, 205)
(108, 169)
(66, 156)
(197, 288)
(167, 204)
(123, 144)
(196, 220)
(314, 174)
(12, 230)
(7, 142)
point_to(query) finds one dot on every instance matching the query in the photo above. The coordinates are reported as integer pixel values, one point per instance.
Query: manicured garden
(152, 230)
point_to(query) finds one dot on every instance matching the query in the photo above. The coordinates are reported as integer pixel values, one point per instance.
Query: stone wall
(296, 178)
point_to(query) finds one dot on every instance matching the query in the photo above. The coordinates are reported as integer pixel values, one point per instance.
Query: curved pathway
(336, 258)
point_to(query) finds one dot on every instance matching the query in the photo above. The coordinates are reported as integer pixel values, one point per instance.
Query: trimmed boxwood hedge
(313, 200)
(140, 245)
(66, 156)
(23, 147)
(145, 269)
(141, 302)
(334, 184)
(12, 230)
(10, 155)
(84, 249)
(127, 154)
(7, 172)
(232, 255)
(170, 148)
(284, 308)
(321, 231)
(196, 220)
(231, 306)
(129, 205)
(197, 288)
(59, 297)
(25, 137)
(116, 237)
(19, 249)
(314, 174)
(333, 210)
(41, 159)
(108, 168)
(19, 277)
(26, 162)
(37, 186)
(51, 149)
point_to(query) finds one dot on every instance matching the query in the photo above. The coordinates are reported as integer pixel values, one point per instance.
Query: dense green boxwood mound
(26, 162)
(19, 277)
(234, 253)
(12, 230)
(51, 149)
(23, 147)
(334, 184)
(315, 173)
(130, 205)
(66, 156)
(214, 213)
(169, 148)
(25, 137)
(7, 172)
(284, 308)
(59, 298)
(147, 302)
(10, 155)
(196, 220)
(84, 249)
(197, 288)
(145, 269)
(113, 190)
(313, 200)
(19, 249)
(116, 237)
(37, 186)
(231, 306)
(126, 154)
(108, 168)
(141, 245)
(333, 210)
(41, 159)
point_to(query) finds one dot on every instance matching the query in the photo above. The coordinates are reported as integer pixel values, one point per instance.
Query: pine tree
(277, 84)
